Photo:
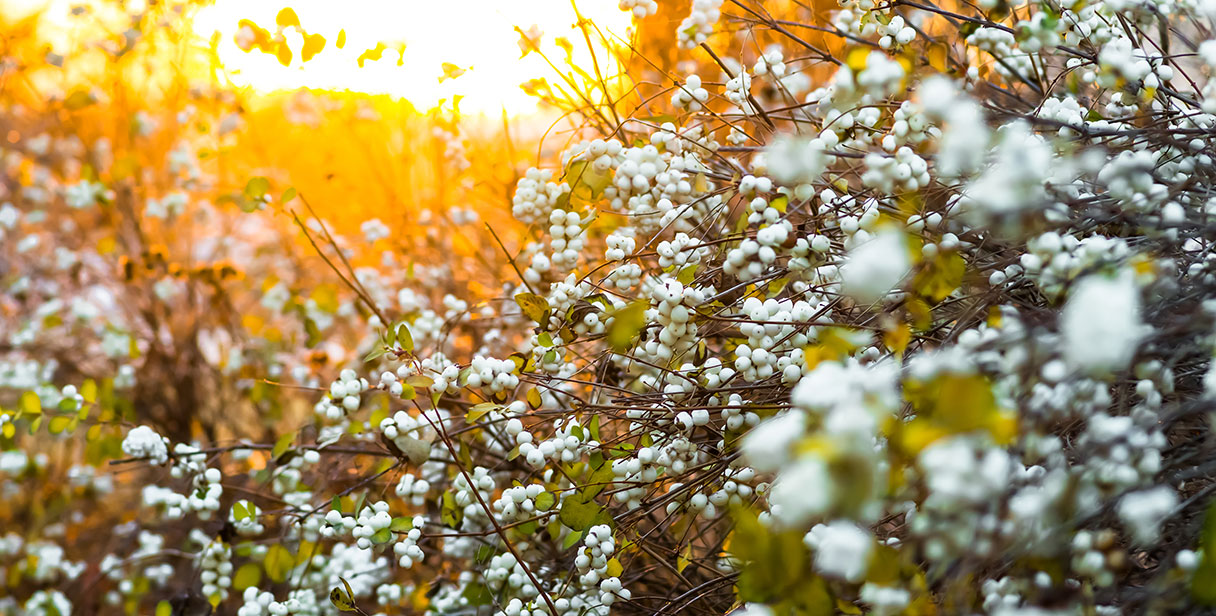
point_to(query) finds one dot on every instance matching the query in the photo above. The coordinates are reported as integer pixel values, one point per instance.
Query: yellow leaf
(780, 204)
(626, 323)
(846, 607)
(520, 360)
(420, 381)
(478, 411)
(533, 305)
(313, 44)
(994, 316)
(941, 276)
(343, 599)
(939, 56)
(585, 182)
(614, 568)
(88, 391)
(857, 58)
(106, 245)
(59, 424)
(953, 404)
(287, 17)
(30, 403)
(534, 399)
(451, 71)
(284, 54)
(78, 99)
(897, 337)
(835, 343)
(684, 558)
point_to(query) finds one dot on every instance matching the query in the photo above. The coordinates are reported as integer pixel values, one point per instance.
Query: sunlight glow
(477, 35)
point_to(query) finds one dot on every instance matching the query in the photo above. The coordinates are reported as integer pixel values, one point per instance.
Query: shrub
(905, 313)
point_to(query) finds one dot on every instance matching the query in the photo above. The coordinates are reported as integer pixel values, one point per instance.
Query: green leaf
(376, 353)
(240, 512)
(416, 450)
(449, 513)
(578, 511)
(478, 594)
(776, 569)
(164, 608)
(383, 535)
(687, 275)
(282, 445)
(247, 576)
(545, 500)
(344, 600)
(401, 524)
(594, 427)
(585, 182)
(256, 188)
(484, 554)
(600, 479)
(571, 540)
(404, 339)
(288, 195)
(1203, 583)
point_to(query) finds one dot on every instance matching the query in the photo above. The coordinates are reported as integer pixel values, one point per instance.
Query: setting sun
(474, 36)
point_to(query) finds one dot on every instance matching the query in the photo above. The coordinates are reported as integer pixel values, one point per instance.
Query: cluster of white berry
(215, 569)
(690, 95)
(699, 24)
(771, 63)
(247, 526)
(535, 196)
(681, 251)
(904, 171)
(413, 489)
(639, 8)
(144, 442)
(566, 444)
(406, 548)
(496, 375)
(344, 396)
(519, 502)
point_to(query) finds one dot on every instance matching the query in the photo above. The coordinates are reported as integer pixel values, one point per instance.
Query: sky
(475, 35)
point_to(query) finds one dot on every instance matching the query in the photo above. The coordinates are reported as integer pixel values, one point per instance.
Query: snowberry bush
(908, 311)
